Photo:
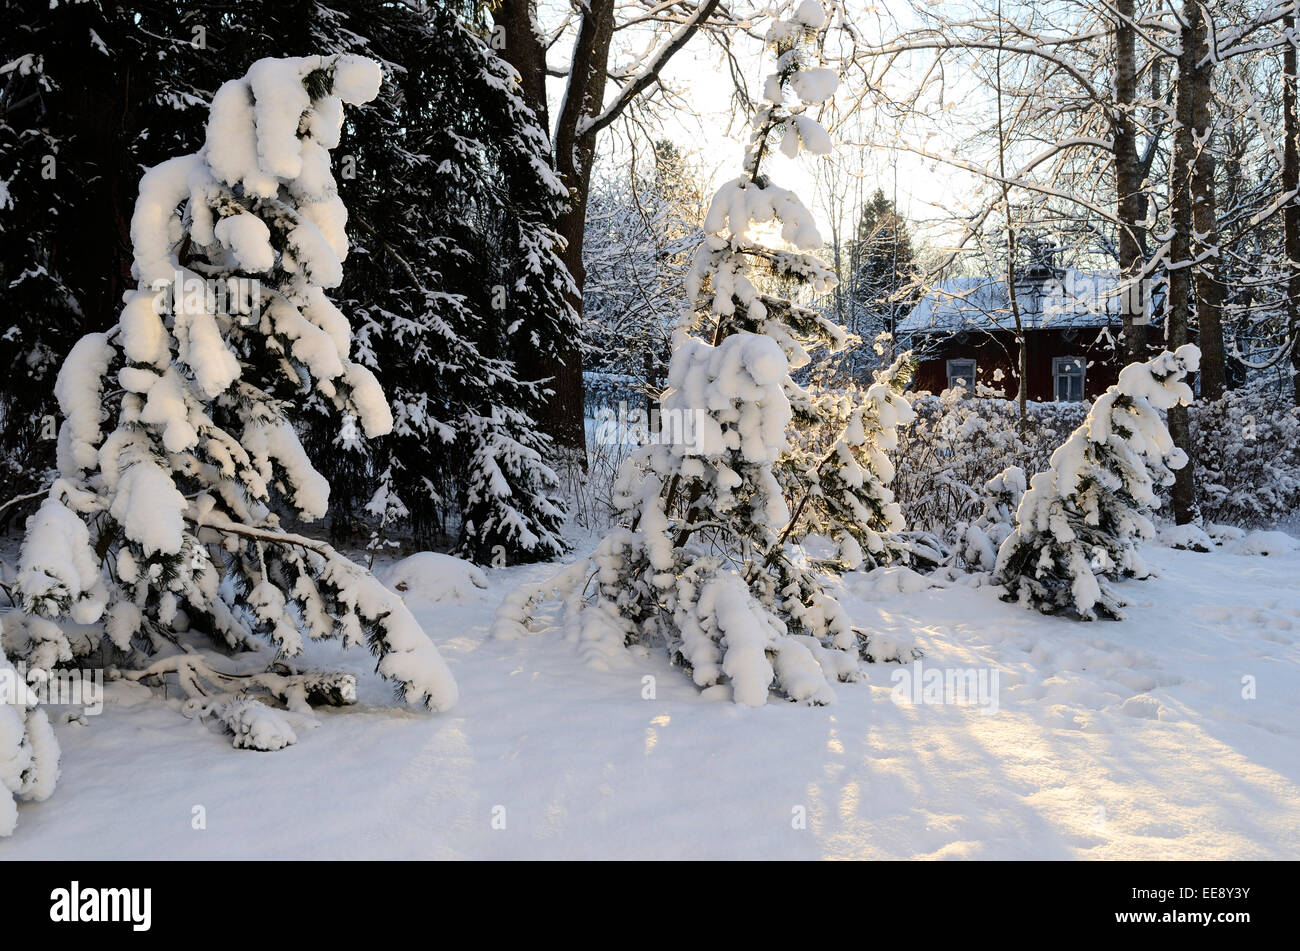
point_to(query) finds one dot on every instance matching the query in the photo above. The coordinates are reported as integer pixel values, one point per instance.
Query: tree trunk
(1022, 339)
(1022, 394)
(1179, 305)
(562, 414)
(1209, 291)
(1291, 215)
(525, 52)
(1129, 175)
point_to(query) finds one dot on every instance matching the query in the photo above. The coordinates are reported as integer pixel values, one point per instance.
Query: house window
(962, 372)
(1067, 377)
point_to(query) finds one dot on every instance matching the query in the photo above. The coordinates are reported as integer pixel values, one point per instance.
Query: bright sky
(927, 192)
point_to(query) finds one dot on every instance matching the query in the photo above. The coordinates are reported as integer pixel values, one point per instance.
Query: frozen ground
(1110, 740)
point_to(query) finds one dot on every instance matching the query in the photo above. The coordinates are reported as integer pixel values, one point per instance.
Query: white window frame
(956, 371)
(1067, 368)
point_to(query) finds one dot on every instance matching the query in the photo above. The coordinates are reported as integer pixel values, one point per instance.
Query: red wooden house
(964, 333)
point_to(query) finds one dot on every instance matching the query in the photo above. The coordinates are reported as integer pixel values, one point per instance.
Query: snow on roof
(1071, 298)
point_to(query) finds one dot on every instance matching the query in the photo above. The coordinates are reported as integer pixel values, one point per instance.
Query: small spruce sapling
(1078, 524)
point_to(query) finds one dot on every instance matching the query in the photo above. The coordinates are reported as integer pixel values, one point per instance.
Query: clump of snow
(880, 584)
(1143, 705)
(815, 85)
(811, 14)
(1189, 537)
(1266, 543)
(277, 442)
(741, 204)
(249, 239)
(1224, 533)
(432, 577)
(57, 570)
(255, 726)
(356, 79)
(79, 390)
(279, 101)
(149, 508)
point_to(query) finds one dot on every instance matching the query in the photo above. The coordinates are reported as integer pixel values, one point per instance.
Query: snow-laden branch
(649, 74)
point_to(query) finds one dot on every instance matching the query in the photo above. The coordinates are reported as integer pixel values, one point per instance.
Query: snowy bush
(705, 562)
(178, 451)
(1265, 543)
(1248, 459)
(957, 443)
(1078, 523)
(1002, 495)
(1248, 456)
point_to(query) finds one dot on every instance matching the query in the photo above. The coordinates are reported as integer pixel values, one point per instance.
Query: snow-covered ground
(1109, 740)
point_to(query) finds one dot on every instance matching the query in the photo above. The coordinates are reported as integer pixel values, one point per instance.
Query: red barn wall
(999, 351)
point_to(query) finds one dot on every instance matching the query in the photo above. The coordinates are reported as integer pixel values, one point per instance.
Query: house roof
(1069, 298)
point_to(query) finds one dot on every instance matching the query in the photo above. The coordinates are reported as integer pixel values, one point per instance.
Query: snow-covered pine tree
(438, 202)
(61, 167)
(1078, 524)
(701, 564)
(450, 263)
(178, 450)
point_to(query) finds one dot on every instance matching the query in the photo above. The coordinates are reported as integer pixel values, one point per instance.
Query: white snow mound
(432, 577)
(1266, 543)
(882, 583)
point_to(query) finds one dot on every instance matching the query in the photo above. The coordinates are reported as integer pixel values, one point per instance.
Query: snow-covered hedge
(1249, 459)
(1248, 463)
(956, 445)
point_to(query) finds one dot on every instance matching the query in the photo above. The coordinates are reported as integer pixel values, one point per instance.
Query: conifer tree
(178, 454)
(1078, 525)
(455, 265)
(703, 564)
(881, 262)
(61, 169)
